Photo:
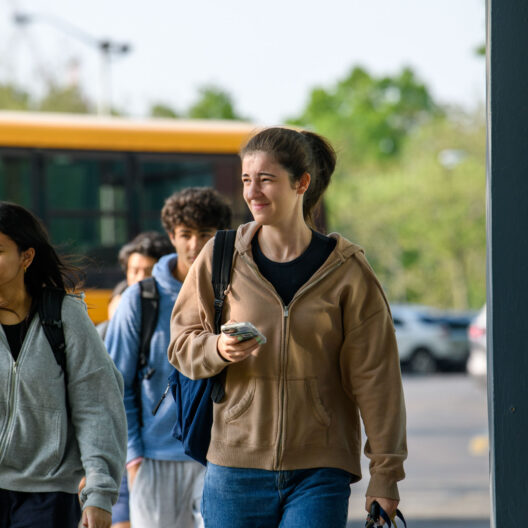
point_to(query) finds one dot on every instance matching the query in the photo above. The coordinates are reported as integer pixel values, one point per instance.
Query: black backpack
(194, 398)
(49, 310)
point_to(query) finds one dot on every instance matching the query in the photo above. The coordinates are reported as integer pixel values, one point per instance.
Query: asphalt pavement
(447, 476)
(438, 523)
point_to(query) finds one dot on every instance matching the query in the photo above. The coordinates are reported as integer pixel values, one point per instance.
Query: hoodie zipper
(282, 389)
(282, 384)
(282, 372)
(11, 416)
(12, 385)
(282, 360)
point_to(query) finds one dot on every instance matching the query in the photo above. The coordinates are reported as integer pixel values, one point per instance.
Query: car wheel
(422, 362)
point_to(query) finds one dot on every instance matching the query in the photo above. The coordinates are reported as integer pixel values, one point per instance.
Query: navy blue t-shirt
(288, 277)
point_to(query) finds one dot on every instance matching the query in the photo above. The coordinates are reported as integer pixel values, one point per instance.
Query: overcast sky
(267, 55)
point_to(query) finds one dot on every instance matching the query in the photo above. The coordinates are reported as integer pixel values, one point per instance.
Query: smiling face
(13, 263)
(188, 242)
(269, 192)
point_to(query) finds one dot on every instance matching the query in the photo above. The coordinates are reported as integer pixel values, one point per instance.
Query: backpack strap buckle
(52, 322)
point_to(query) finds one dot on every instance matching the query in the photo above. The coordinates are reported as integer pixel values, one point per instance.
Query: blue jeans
(306, 498)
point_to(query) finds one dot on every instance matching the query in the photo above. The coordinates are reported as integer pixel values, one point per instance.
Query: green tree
(420, 218)
(13, 97)
(368, 118)
(65, 99)
(421, 223)
(163, 110)
(213, 103)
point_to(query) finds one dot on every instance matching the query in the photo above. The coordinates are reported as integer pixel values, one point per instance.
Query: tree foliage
(213, 103)
(57, 98)
(163, 110)
(13, 97)
(368, 118)
(409, 185)
(421, 223)
(65, 99)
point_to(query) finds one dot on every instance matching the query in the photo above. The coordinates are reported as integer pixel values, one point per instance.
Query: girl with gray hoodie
(56, 425)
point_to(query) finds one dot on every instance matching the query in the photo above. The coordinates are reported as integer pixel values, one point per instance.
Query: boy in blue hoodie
(165, 485)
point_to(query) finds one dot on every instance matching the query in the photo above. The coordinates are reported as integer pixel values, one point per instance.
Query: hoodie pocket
(36, 444)
(239, 408)
(250, 418)
(308, 420)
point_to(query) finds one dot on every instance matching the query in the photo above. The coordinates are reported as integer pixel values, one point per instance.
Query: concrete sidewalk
(429, 504)
(447, 482)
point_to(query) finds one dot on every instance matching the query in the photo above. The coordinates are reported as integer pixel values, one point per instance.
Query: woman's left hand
(233, 350)
(389, 505)
(94, 517)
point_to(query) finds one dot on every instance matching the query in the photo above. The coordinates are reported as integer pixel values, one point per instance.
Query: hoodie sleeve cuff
(99, 500)
(134, 462)
(134, 452)
(213, 361)
(382, 487)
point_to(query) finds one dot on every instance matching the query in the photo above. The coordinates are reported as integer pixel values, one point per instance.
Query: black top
(288, 277)
(15, 337)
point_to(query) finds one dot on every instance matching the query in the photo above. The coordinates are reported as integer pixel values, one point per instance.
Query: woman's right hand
(233, 350)
(93, 517)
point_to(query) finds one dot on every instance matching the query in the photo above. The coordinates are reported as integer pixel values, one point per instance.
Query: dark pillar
(507, 109)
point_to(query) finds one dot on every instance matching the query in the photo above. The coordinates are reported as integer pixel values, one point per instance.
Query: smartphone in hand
(244, 331)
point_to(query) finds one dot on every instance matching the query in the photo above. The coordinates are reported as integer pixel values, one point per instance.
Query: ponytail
(324, 161)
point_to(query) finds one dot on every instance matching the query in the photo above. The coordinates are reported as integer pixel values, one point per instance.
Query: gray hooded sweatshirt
(43, 448)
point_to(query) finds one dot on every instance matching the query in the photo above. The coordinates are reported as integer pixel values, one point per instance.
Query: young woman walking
(286, 438)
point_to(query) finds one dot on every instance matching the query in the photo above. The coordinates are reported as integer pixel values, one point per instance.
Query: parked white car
(477, 363)
(429, 339)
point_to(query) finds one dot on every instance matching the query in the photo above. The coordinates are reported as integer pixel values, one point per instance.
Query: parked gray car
(430, 339)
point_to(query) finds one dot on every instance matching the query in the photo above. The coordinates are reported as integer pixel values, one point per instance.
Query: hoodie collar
(344, 249)
(162, 272)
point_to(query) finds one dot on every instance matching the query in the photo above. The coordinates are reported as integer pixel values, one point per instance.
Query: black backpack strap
(49, 310)
(149, 318)
(224, 244)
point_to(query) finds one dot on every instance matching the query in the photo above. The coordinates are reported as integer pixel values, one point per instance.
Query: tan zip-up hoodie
(330, 355)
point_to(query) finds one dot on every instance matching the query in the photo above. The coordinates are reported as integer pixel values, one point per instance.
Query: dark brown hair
(47, 268)
(298, 152)
(196, 207)
(149, 244)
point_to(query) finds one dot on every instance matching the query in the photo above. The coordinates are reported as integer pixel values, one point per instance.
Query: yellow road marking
(479, 445)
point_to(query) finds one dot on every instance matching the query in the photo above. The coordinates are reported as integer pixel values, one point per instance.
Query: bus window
(86, 206)
(162, 176)
(15, 178)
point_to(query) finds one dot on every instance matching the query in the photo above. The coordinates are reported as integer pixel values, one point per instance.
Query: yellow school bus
(96, 182)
